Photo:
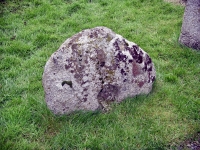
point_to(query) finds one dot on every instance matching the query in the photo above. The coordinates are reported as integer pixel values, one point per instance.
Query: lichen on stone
(93, 68)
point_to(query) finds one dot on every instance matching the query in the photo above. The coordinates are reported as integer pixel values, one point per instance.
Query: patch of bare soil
(191, 143)
(177, 2)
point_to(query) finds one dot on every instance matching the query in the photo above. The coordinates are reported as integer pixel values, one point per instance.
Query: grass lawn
(30, 31)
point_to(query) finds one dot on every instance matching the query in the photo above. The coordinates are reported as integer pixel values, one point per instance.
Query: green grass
(32, 31)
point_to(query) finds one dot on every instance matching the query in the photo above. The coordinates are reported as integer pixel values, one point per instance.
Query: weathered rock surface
(93, 67)
(190, 31)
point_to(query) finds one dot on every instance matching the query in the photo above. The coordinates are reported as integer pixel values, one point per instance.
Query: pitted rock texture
(190, 31)
(93, 67)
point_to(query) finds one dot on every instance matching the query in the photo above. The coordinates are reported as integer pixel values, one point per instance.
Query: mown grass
(32, 31)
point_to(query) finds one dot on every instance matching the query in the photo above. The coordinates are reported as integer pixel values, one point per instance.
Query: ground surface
(179, 2)
(194, 142)
(167, 118)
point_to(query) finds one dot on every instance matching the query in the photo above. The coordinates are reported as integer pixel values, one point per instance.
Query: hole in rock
(68, 83)
(102, 64)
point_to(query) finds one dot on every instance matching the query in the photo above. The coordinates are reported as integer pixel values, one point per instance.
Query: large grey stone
(93, 67)
(190, 31)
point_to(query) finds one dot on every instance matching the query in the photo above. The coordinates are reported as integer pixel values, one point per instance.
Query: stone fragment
(93, 67)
